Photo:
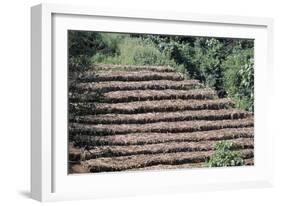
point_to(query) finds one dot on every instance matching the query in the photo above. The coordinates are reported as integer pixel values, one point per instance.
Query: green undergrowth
(225, 156)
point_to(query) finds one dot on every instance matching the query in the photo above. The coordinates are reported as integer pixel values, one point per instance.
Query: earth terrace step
(162, 117)
(150, 106)
(171, 167)
(142, 95)
(77, 168)
(140, 161)
(153, 138)
(247, 162)
(141, 85)
(91, 76)
(116, 67)
(161, 127)
(171, 147)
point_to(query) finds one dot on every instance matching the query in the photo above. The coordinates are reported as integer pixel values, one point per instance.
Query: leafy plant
(224, 156)
(239, 78)
(209, 54)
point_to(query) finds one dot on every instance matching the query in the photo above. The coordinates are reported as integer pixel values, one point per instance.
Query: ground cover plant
(225, 156)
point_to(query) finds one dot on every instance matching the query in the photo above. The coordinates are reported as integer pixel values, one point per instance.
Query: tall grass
(134, 51)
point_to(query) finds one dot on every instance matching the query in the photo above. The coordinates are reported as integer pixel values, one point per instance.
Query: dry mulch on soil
(161, 127)
(150, 106)
(138, 85)
(152, 138)
(109, 151)
(139, 161)
(116, 67)
(143, 95)
(92, 76)
(162, 117)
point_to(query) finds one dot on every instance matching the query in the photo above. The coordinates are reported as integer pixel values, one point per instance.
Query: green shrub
(239, 78)
(208, 56)
(82, 45)
(111, 42)
(224, 156)
(79, 62)
(215, 62)
(202, 57)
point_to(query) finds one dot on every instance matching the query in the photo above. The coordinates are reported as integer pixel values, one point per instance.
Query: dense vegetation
(227, 65)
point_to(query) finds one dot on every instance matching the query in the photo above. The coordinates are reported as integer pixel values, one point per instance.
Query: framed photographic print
(137, 102)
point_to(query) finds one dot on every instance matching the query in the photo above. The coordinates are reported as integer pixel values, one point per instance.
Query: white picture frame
(49, 178)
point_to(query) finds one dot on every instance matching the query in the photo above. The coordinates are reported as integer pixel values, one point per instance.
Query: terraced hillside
(149, 117)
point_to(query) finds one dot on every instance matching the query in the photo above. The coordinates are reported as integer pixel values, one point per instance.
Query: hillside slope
(149, 117)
